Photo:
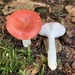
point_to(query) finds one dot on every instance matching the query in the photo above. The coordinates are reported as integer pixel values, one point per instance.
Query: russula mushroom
(52, 30)
(24, 25)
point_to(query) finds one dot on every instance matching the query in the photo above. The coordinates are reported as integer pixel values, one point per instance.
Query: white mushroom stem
(52, 63)
(26, 42)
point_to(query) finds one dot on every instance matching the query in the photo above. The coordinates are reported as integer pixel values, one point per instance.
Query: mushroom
(52, 30)
(24, 25)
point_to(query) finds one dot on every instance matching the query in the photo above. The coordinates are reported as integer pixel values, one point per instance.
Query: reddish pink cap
(24, 24)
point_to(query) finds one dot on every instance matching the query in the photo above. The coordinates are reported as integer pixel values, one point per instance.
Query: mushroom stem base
(26, 42)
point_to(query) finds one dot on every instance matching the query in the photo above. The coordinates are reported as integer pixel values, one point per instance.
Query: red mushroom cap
(24, 24)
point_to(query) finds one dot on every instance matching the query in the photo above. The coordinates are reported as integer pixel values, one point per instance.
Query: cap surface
(24, 24)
